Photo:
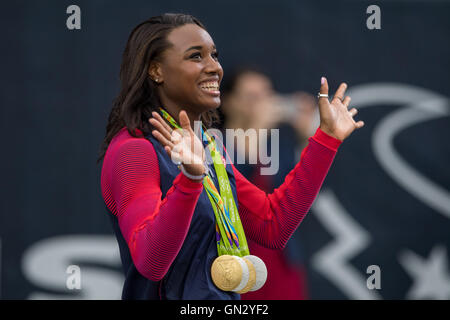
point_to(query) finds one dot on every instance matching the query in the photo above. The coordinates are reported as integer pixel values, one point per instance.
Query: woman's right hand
(182, 145)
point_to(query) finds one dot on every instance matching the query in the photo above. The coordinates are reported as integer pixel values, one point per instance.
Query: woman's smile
(210, 87)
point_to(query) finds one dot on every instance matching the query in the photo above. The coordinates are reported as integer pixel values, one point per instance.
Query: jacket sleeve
(153, 228)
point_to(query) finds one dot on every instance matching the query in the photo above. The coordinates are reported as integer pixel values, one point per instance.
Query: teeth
(213, 85)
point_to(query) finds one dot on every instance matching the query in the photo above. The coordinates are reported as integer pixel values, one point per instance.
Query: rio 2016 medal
(245, 274)
(226, 272)
(241, 275)
(251, 278)
(261, 271)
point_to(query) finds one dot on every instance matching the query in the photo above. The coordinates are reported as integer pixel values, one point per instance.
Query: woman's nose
(213, 66)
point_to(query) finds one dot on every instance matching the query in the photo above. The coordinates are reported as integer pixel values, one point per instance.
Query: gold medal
(251, 279)
(226, 272)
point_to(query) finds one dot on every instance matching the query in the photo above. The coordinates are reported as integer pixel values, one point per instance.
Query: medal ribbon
(228, 223)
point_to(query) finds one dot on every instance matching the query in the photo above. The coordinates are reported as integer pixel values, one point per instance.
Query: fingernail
(322, 80)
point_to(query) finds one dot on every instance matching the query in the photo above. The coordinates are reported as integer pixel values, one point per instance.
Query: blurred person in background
(250, 102)
(300, 111)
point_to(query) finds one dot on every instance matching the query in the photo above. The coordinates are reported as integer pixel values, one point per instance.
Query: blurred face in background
(252, 101)
(306, 117)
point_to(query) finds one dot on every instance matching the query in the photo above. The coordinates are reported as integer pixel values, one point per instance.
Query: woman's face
(190, 70)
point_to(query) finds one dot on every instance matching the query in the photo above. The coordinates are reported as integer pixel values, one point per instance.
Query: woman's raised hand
(182, 145)
(335, 118)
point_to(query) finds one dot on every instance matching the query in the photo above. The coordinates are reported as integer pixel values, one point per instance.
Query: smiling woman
(149, 44)
(181, 224)
(189, 75)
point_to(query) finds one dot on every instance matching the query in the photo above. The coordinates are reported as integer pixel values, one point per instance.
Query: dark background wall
(57, 87)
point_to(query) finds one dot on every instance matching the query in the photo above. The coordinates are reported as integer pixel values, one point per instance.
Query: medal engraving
(226, 272)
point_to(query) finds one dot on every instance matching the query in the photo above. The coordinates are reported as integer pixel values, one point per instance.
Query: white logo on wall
(430, 277)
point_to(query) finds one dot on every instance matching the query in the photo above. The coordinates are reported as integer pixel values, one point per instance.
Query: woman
(164, 219)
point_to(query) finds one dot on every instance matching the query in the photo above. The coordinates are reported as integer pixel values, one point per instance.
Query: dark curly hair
(138, 96)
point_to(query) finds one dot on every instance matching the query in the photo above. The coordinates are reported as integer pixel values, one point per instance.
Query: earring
(154, 79)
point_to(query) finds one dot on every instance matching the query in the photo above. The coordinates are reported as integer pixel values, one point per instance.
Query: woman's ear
(154, 71)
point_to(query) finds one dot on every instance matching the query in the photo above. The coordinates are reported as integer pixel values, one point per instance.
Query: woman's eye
(196, 55)
(215, 55)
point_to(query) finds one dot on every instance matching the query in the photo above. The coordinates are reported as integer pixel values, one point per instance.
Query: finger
(359, 124)
(158, 117)
(323, 101)
(184, 120)
(324, 85)
(353, 112)
(346, 101)
(340, 92)
(158, 126)
(162, 139)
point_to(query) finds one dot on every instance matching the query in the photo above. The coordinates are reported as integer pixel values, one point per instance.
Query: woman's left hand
(335, 118)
